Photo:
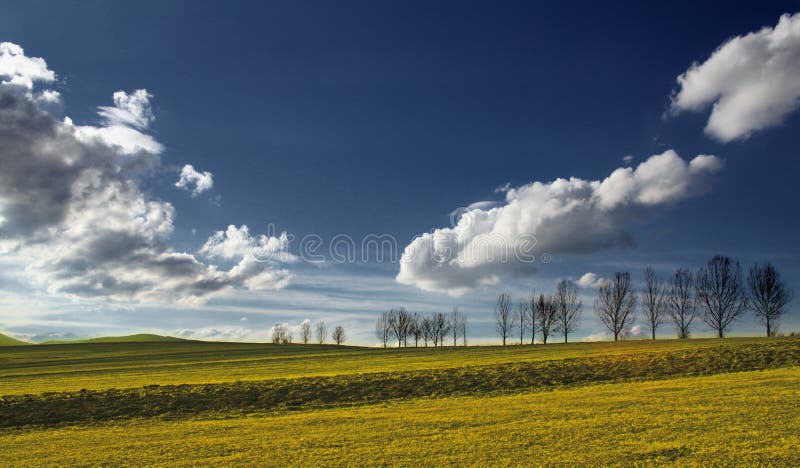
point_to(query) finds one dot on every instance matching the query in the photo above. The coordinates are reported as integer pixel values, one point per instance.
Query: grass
(6, 340)
(690, 402)
(319, 391)
(744, 419)
(137, 338)
(98, 366)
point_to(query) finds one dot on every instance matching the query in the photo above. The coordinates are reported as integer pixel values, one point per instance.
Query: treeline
(400, 326)
(717, 294)
(281, 333)
(540, 315)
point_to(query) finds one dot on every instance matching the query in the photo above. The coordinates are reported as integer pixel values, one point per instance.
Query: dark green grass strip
(310, 392)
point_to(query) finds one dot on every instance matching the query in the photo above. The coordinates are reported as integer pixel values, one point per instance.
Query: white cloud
(18, 69)
(597, 336)
(236, 242)
(628, 159)
(224, 333)
(126, 140)
(72, 211)
(565, 216)
(129, 110)
(124, 124)
(752, 80)
(590, 280)
(194, 181)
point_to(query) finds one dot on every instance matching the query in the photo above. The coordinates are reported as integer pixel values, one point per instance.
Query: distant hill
(138, 338)
(8, 341)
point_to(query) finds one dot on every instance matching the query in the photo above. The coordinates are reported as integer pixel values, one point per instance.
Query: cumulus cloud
(590, 280)
(18, 69)
(194, 181)
(236, 242)
(753, 81)
(72, 210)
(565, 216)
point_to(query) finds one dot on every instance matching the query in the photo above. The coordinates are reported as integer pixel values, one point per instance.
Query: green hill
(137, 338)
(8, 341)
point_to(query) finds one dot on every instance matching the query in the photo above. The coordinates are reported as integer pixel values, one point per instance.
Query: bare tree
(462, 330)
(322, 332)
(616, 305)
(416, 329)
(383, 328)
(305, 331)
(545, 315)
(768, 295)
(400, 321)
(521, 318)
(568, 308)
(427, 330)
(338, 335)
(440, 328)
(721, 292)
(456, 318)
(504, 318)
(279, 332)
(654, 301)
(533, 322)
(681, 303)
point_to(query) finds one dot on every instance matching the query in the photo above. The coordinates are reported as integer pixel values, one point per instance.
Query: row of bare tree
(717, 293)
(282, 334)
(539, 315)
(399, 325)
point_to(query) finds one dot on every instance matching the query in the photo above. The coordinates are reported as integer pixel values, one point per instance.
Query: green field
(6, 340)
(731, 401)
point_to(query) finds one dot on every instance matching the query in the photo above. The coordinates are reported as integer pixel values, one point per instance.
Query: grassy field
(6, 340)
(745, 419)
(97, 366)
(731, 401)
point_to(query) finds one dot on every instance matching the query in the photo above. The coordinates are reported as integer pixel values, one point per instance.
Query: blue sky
(360, 118)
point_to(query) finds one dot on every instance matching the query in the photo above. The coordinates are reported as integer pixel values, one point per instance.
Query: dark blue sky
(382, 117)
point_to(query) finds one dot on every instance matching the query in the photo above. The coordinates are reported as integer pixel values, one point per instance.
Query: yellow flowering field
(746, 419)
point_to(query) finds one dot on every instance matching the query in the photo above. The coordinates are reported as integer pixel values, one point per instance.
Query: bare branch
(322, 332)
(681, 302)
(568, 308)
(768, 295)
(504, 319)
(654, 301)
(545, 315)
(338, 335)
(721, 292)
(616, 305)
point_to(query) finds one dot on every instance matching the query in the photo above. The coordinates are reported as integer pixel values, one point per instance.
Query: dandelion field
(695, 402)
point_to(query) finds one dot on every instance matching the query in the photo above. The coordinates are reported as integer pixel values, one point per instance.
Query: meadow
(102, 365)
(731, 401)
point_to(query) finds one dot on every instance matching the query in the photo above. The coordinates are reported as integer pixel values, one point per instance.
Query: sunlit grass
(746, 419)
(36, 369)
